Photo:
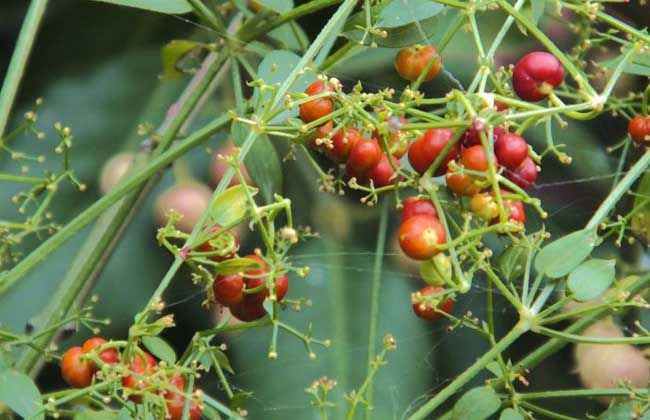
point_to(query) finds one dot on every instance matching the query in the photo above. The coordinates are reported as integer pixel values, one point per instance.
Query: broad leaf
(162, 6)
(512, 262)
(590, 279)
(511, 414)
(638, 64)
(476, 404)
(236, 265)
(172, 53)
(223, 361)
(537, 10)
(20, 394)
(230, 205)
(159, 348)
(561, 256)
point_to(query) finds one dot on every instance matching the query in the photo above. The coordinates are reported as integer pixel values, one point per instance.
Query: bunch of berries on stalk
(80, 368)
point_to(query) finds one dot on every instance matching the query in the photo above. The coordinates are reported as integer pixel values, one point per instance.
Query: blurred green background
(97, 68)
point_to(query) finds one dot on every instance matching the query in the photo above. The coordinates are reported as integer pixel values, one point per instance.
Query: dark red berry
(510, 150)
(176, 401)
(525, 174)
(248, 311)
(410, 62)
(424, 151)
(639, 129)
(321, 134)
(343, 144)
(397, 143)
(142, 367)
(425, 310)
(414, 206)
(472, 137)
(382, 174)
(316, 108)
(536, 75)
(109, 356)
(420, 236)
(228, 290)
(364, 156)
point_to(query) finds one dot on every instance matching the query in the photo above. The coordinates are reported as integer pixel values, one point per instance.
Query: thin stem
(19, 59)
(581, 393)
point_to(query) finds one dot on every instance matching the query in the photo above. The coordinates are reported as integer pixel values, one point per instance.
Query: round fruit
(190, 199)
(536, 75)
(228, 290)
(436, 271)
(639, 129)
(109, 356)
(248, 311)
(484, 206)
(343, 144)
(141, 368)
(414, 206)
(114, 171)
(461, 184)
(420, 236)
(316, 108)
(474, 158)
(218, 167)
(397, 143)
(382, 174)
(176, 402)
(76, 372)
(511, 150)
(604, 328)
(226, 244)
(472, 137)
(426, 310)
(256, 277)
(515, 209)
(321, 134)
(525, 174)
(364, 156)
(410, 62)
(424, 151)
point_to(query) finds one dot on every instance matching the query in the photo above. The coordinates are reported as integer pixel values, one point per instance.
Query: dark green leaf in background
(18, 392)
(160, 348)
(511, 414)
(476, 404)
(162, 6)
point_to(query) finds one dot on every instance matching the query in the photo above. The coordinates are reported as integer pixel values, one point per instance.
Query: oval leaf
(512, 262)
(18, 392)
(511, 414)
(236, 265)
(591, 279)
(162, 6)
(230, 205)
(159, 348)
(477, 404)
(623, 410)
(561, 256)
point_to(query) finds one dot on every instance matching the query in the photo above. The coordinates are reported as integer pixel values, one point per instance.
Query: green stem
(581, 393)
(19, 59)
(469, 374)
(575, 338)
(375, 294)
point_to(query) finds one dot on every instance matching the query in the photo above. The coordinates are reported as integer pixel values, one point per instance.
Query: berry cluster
(79, 366)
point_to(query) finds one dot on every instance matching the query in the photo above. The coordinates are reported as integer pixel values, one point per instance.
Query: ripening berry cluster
(79, 370)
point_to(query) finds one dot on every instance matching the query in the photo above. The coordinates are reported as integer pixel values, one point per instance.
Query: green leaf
(561, 256)
(511, 414)
(124, 414)
(161, 6)
(86, 414)
(623, 410)
(172, 53)
(591, 279)
(537, 10)
(236, 265)
(495, 369)
(262, 162)
(277, 5)
(159, 348)
(239, 399)
(476, 404)
(512, 262)
(19, 393)
(641, 217)
(231, 205)
(223, 361)
(638, 64)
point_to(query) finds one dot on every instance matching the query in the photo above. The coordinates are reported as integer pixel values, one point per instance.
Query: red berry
(420, 236)
(76, 372)
(500, 106)
(342, 145)
(472, 137)
(248, 311)
(414, 206)
(226, 244)
(525, 174)
(515, 210)
(639, 129)
(176, 401)
(424, 151)
(228, 290)
(258, 278)
(109, 356)
(316, 108)
(425, 310)
(536, 75)
(364, 156)
(322, 132)
(461, 184)
(382, 174)
(510, 150)
(410, 62)
(474, 158)
(397, 143)
(141, 367)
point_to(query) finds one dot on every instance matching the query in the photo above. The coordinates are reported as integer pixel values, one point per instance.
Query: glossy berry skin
(142, 367)
(639, 130)
(248, 311)
(316, 108)
(343, 144)
(461, 184)
(109, 356)
(228, 290)
(472, 137)
(511, 150)
(525, 174)
(223, 242)
(484, 206)
(76, 372)
(397, 144)
(420, 236)
(474, 158)
(424, 151)
(258, 279)
(364, 156)
(515, 209)
(382, 174)
(176, 402)
(414, 206)
(536, 75)
(424, 311)
(410, 62)
(321, 132)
